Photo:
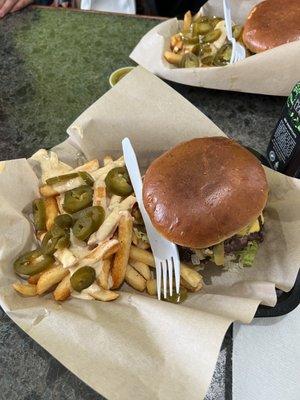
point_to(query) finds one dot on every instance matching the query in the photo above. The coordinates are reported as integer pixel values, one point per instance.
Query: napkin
(270, 349)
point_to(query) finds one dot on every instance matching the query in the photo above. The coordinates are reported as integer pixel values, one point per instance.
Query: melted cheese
(50, 164)
(254, 227)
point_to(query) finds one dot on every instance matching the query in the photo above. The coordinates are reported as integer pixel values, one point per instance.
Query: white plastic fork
(165, 253)
(238, 52)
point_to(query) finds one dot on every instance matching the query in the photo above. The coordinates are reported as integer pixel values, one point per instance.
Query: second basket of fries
(196, 50)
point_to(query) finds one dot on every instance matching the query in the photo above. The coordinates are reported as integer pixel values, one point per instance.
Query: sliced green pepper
(177, 297)
(32, 263)
(63, 221)
(215, 20)
(97, 214)
(83, 228)
(189, 60)
(200, 18)
(82, 278)
(223, 55)
(201, 28)
(207, 60)
(56, 238)
(53, 241)
(78, 198)
(86, 177)
(117, 182)
(88, 221)
(39, 214)
(211, 36)
(189, 39)
(237, 31)
(61, 178)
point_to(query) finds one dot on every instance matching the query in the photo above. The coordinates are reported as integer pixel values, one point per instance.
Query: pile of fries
(202, 42)
(77, 258)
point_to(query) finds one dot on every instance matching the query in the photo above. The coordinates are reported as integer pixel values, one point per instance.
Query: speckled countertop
(53, 65)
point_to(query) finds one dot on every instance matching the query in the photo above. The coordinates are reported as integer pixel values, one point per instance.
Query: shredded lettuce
(247, 255)
(141, 235)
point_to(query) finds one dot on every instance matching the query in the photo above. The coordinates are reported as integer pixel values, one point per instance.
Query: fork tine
(176, 268)
(170, 271)
(158, 278)
(164, 273)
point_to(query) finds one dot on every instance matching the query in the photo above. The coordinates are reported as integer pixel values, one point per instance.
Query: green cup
(117, 75)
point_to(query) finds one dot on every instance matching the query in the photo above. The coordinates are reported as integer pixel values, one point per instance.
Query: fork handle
(227, 16)
(133, 168)
(136, 180)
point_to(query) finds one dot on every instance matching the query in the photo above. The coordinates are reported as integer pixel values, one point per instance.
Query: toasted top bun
(272, 23)
(203, 191)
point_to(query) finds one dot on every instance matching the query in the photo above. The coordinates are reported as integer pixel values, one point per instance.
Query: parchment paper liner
(138, 347)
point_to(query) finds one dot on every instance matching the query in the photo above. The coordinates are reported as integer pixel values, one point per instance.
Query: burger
(272, 23)
(207, 195)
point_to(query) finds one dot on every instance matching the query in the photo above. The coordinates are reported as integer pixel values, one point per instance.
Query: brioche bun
(272, 23)
(203, 191)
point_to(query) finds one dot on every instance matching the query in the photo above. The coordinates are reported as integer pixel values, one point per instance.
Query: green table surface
(62, 60)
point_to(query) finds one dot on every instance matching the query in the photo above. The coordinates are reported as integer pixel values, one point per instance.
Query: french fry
(107, 160)
(25, 289)
(189, 275)
(173, 58)
(142, 268)
(90, 166)
(63, 289)
(174, 40)
(111, 250)
(190, 288)
(58, 188)
(48, 191)
(51, 209)
(103, 171)
(33, 279)
(105, 295)
(126, 204)
(187, 21)
(104, 279)
(178, 47)
(115, 200)
(110, 224)
(50, 278)
(120, 262)
(192, 277)
(151, 287)
(107, 229)
(141, 255)
(198, 15)
(103, 250)
(99, 197)
(134, 279)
